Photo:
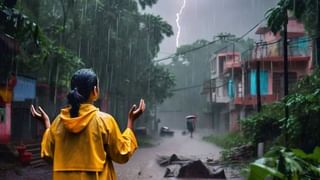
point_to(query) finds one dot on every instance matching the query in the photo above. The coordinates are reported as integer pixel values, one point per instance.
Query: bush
(227, 140)
(263, 126)
(302, 126)
(286, 164)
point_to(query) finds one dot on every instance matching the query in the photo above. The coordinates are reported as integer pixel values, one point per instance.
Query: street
(143, 164)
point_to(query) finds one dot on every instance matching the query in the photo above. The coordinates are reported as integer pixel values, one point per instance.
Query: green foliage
(304, 106)
(17, 24)
(304, 102)
(160, 81)
(145, 3)
(264, 126)
(231, 144)
(302, 125)
(305, 10)
(228, 140)
(286, 164)
(115, 39)
(276, 18)
(38, 55)
(310, 16)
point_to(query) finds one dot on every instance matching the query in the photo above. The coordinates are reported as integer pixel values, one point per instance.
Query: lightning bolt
(178, 22)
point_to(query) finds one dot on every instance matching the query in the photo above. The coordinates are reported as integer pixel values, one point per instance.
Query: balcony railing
(231, 64)
(252, 100)
(298, 49)
(221, 99)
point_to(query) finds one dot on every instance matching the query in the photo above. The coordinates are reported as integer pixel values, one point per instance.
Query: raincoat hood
(77, 124)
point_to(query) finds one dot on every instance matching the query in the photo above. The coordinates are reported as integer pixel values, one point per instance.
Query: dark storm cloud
(202, 19)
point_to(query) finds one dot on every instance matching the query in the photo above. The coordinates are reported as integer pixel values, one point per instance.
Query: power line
(188, 87)
(209, 43)
(196, 86)
(254, 27)
(233, 41)
(290, 44)
(264, 44)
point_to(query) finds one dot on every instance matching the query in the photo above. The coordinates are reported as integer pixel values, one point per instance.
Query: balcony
(298, 51)
(231, 64)
(221, 99)
(252, 100)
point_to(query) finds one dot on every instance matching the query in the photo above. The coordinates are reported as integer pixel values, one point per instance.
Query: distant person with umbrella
(191, 124)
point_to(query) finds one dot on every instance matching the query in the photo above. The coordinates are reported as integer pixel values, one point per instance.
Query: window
(263, 82)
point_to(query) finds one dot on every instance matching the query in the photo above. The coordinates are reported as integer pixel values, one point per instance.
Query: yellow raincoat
(85, 146)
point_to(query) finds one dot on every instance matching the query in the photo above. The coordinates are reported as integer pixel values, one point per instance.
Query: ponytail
(82, 84)
(75, 99)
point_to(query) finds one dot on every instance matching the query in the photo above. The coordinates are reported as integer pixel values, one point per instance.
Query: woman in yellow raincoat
(83, 141)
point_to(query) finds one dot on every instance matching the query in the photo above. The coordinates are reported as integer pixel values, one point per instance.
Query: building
(225, 68)
(269, 52)
(8, 48)
(234, 76)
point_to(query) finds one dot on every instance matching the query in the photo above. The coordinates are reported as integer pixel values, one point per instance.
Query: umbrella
(191, 117)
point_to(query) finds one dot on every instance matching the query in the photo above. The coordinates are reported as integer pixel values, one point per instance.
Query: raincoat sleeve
(47, 144)
(119, 146)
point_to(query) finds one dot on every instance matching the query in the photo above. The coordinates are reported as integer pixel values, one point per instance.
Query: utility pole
(211, 103)
(233, 62)
(285, 70)
(258, 79)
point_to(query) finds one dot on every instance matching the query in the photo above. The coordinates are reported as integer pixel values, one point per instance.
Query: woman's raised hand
(41, 116)
(135, 112)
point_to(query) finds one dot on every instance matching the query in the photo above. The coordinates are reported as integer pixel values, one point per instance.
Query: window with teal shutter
(230, 88)
(263, 82)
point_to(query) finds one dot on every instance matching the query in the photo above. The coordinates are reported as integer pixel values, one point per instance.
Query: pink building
(233, 75)
(224, 67)
(269, 51)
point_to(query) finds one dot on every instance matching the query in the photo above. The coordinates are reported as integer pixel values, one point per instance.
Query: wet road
(143, 163)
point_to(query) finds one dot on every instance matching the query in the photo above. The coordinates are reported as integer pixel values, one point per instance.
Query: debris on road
(243, 152)
(183, 167)
(166, 131)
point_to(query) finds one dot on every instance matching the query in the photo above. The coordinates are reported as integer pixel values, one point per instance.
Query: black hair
(82, 83)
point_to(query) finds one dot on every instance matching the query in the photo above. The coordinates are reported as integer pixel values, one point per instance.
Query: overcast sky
(202, 19)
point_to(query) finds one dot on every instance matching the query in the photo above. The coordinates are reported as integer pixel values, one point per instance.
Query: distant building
(233, 76)
(224, 68)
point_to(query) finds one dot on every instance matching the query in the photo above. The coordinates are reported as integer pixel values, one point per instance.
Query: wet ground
(27, 173)
(143, 164)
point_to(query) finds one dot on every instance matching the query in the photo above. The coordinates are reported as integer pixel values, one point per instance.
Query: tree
(113, 37)
(145, 3)
(15, 28)
(117, 41)
(307, 11)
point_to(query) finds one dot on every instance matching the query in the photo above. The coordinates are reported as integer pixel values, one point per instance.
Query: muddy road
(143, 164)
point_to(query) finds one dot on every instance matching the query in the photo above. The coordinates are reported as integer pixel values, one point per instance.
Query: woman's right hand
(41, 116)
(135, 112)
